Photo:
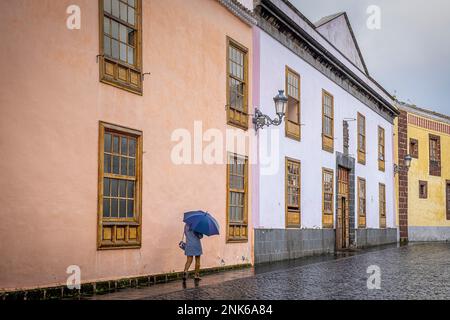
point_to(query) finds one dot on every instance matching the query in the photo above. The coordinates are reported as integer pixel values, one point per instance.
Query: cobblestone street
(419, 271)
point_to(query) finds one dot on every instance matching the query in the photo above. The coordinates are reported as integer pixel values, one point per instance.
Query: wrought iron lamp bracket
(260, 120)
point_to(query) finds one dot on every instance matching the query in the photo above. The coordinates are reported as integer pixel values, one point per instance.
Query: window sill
(237, 241)
(381, 166)
(107, 247)
(236, 125)
(327, 143)
(293, 136)
(121, 75)
(293, 227)
(237, 118)
(362, 161)
(292, 130)
(122, 222)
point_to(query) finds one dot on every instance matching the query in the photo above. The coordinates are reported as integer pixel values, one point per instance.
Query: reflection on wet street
(420, 271)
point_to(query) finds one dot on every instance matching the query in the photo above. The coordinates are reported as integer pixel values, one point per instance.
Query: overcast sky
(410, 54)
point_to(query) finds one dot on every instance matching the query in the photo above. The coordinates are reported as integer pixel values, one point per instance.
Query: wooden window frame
(382, 146)
(362, 216)
(327, 217)
(327, 140)
(236, 117)
(114, 71)
(129, 226)
(292, 129)
(414, 148)
(435, 164)
(361, 136)
(382, 205)
(424, 184)
(244, 225)
(289, 211)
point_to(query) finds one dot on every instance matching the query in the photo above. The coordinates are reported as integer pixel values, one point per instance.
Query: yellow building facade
(423, 187)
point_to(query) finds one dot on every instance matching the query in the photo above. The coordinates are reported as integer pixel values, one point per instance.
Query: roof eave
(240, 11)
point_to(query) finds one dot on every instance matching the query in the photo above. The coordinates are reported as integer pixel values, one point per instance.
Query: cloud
(411, 52)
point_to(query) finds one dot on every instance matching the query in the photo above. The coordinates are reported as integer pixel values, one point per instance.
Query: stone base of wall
(429, 233)
(285, 244)
(375, 237)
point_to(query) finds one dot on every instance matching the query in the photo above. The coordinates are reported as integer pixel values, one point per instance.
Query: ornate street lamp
(261, 120)
(407, 160)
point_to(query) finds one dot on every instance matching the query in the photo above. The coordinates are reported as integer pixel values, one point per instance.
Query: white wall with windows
(274, 58)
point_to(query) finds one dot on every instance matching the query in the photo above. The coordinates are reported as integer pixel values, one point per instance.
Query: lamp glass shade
(280, 103)
(408, 159)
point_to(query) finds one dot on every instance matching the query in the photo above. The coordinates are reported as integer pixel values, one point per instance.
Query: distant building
(423, 191)
(333, 187)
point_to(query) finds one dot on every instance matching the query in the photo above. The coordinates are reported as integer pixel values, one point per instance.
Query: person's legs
(187, 266)
(197, 267)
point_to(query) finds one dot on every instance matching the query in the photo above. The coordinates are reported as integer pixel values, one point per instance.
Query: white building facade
(333, 183)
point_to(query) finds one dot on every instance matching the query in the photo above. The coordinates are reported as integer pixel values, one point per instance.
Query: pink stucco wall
(51, 102)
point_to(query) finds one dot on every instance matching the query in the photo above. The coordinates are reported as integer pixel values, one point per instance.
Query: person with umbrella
(198, 223)
(193, 249)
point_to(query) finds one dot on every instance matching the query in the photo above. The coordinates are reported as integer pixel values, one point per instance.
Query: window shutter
(435, 155)
(327, 122)
(293, 193)
(293, 107)
(237, 84)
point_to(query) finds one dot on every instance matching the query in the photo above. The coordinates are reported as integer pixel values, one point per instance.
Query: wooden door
(343, 217)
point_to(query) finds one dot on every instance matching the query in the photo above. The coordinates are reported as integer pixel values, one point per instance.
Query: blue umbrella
(202, 222)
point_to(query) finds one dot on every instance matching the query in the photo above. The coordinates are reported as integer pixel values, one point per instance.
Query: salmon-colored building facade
(87, 122)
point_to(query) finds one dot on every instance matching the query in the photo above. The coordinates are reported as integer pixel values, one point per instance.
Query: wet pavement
(418, 271)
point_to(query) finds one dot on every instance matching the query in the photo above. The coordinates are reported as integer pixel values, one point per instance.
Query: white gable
(336, 29)
(298, 19)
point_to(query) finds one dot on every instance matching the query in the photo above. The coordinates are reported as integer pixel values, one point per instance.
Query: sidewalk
(174, 286)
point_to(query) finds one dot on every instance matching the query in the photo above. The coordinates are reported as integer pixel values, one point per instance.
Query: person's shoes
(185, 276)
(197, 278)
